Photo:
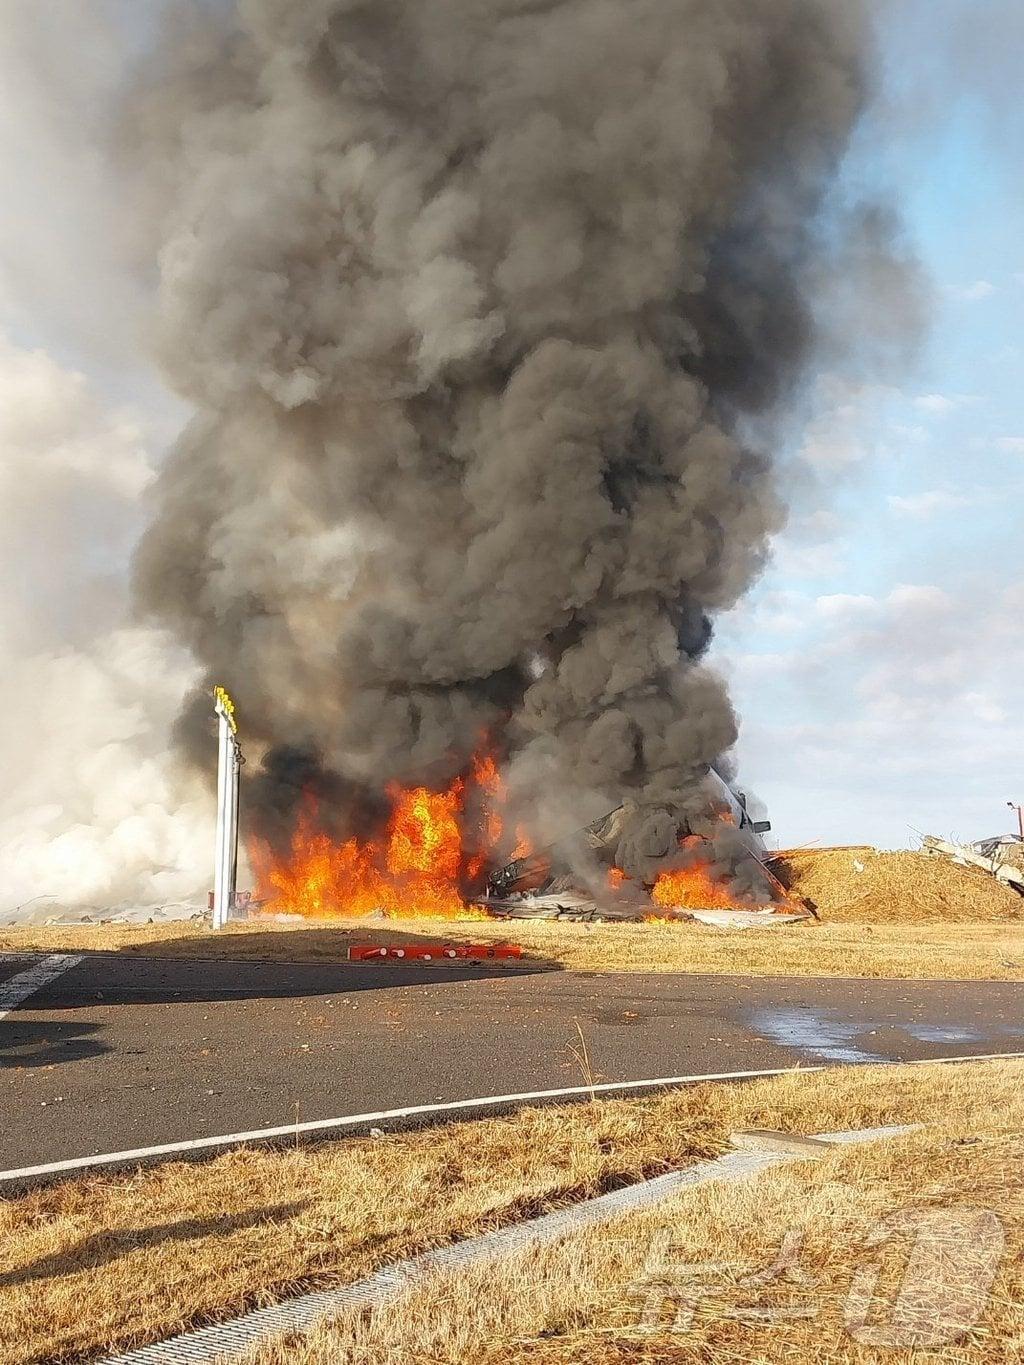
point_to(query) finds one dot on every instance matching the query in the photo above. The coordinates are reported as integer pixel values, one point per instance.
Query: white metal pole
(220, 880)
(225, 852)
(236, 772)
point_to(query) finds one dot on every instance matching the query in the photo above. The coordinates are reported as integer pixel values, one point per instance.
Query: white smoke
(93, 807)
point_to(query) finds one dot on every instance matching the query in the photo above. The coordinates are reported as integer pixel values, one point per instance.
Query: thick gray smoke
(476, 300)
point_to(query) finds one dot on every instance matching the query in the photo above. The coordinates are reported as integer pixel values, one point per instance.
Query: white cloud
(821, 524)
(971, 293)
(842, 605)
(936, 403)
(916, 434)
(985, 708)
(811, 546)
(1012, 445)
(918, 598)
(755, 666)
(924, 506)
(794, 561)
(766, 614)
(831, 449)
(896, 713)
(942, 404)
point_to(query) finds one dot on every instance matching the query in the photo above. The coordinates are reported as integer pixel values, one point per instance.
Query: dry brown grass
(157, 1250)
(959, 951)
(872, 887)
(573, 1304)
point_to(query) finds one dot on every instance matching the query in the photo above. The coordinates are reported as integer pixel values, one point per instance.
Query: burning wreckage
(549, 884)
(439, 854)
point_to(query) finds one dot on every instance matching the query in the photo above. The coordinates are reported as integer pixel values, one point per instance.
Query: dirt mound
(863, 884)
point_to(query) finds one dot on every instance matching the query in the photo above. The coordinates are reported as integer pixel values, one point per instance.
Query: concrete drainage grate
(228, 1340)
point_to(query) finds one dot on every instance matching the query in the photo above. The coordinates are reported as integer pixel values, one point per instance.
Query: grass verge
(904, 1250)
(155, 1251)
(962, 951)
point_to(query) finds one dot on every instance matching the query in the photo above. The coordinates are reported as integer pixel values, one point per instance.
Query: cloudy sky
(877, 665)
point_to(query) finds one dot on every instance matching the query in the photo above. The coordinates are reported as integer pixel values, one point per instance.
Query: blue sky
(876, 665)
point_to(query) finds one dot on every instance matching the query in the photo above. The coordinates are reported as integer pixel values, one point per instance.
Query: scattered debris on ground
(570, 905)
(967, 856)
(45, 910)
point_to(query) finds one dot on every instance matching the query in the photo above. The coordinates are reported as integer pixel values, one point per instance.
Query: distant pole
(229, 760)
(1020, 819)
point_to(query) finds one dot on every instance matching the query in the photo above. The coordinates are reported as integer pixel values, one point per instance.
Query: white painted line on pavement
(292, 1130)
(17, 989)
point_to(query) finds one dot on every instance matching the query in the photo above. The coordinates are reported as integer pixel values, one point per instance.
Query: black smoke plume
(478, 302)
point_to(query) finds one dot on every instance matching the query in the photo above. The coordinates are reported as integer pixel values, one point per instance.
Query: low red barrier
(432, 952)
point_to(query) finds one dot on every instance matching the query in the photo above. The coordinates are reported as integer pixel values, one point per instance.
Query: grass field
(153, 1251)
(905, 1250)
(963, 951)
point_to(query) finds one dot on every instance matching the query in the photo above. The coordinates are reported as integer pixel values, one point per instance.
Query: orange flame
(694, 887)
(431, 851)
(420, 867)
(691, 888)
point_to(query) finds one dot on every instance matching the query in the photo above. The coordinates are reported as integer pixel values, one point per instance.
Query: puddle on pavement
(929, 1033)
(826, 1034)
(814, 1031)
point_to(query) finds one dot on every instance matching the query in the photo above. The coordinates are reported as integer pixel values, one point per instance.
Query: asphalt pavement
(123, 1052)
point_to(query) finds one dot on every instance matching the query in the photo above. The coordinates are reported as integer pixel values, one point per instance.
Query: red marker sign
(432, 952)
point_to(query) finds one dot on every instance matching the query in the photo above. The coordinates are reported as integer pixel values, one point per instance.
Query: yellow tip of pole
(226, 707)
